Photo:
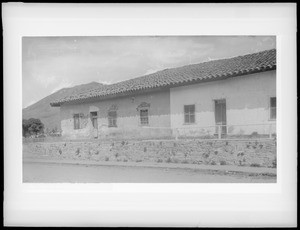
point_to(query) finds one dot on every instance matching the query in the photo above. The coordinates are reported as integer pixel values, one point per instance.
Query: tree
(25, 126)
(32, 126)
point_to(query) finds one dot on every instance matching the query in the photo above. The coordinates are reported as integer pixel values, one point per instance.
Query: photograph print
(149, 109)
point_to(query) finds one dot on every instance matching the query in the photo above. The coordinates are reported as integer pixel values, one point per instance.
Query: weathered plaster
(247, 104)
(128, 119)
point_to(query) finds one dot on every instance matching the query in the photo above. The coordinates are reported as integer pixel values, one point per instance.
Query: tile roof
(190, 74)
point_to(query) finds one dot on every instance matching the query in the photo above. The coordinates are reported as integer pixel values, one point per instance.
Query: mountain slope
(50, 116)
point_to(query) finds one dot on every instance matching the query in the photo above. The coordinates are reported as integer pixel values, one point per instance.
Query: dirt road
(34, 172)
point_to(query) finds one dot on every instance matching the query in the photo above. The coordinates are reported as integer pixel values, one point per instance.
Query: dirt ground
(37, 172)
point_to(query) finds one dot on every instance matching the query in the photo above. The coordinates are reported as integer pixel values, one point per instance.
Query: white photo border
(124, 204)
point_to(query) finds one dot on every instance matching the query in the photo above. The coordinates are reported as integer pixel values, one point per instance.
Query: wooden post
(219, 131)
(270, 131)
(176, 134)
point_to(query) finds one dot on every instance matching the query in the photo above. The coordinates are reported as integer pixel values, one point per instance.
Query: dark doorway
(94, 119)
(220, 115)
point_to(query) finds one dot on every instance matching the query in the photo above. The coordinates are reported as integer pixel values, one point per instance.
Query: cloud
(150, 71)
(105, 82)
(63, 84)
(45, 80)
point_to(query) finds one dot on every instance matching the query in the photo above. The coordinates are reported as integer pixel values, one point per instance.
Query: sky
(53, 63)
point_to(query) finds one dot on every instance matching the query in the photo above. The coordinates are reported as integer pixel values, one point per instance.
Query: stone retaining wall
(255, 153)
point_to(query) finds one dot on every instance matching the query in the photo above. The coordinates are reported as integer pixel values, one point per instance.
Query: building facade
(235, 96)
(129, 116)
(242, 104)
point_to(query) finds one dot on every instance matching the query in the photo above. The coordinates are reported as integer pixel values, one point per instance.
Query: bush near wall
(254, 153)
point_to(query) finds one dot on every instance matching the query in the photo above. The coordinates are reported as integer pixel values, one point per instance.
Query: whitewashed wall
(247, 103)
(128, 118)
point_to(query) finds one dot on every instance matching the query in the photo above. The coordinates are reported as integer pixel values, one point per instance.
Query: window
(189, 114)
(76, 121)
(144, 117)
(112, 119)
(273, 108)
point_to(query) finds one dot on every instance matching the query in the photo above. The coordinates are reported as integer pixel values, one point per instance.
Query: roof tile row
(206, 71)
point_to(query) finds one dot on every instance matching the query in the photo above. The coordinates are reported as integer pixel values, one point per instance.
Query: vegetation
(159, 160)
(274, 162)
(223, 162)
(51, 115)
(213, 163)
(255, 165)
(32, 126)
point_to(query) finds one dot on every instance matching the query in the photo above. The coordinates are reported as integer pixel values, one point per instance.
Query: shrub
(274, 162)
(116, 155)
(106, 158)
(241, 153)
(255, 165)
(169, 160)
(159, 160)
(213, 163)
(138, 160)
(254, 134)
(184, 162)
(32, 127)
(186, 154)
(77, 151)
(145, 149)
(223, 163)
(60, 152)
(205, 155)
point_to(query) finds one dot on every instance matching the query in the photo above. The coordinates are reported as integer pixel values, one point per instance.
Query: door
(220, 115)
(94, 118)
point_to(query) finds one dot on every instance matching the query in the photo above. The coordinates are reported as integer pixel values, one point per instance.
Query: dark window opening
(189, 114)
(144, 117)
(273, 108)
(112, 119)
(94, 119)
(76, 121)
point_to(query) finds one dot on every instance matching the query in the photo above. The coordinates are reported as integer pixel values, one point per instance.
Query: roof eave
(171, 85)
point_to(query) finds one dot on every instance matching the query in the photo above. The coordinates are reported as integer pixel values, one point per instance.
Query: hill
(50, 116)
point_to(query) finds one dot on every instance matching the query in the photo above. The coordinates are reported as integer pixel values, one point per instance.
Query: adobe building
(234, 96)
